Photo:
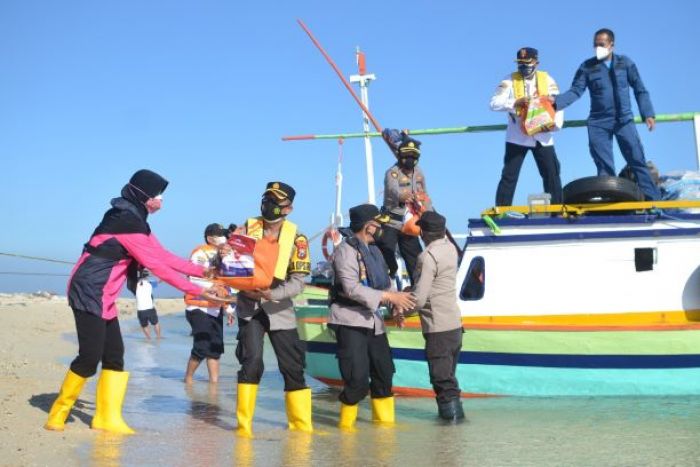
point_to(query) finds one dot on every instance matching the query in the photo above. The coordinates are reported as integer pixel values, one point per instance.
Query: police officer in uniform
(608, 77)
(513, 95)
(271, 311)
(360, 285)
(402, 183)
(441, 321)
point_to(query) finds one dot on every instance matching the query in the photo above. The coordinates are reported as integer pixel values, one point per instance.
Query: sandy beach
(36, 344)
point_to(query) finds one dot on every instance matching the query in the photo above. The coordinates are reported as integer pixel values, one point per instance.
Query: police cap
(431, 221)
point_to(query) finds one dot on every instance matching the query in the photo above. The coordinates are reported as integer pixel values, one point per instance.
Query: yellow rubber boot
(299, 410)
(348, 416)
(70, 390)
(245, 408)
(111, 389)
(383, 410)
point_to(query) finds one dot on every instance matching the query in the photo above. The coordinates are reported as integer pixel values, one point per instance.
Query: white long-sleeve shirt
(503, 100)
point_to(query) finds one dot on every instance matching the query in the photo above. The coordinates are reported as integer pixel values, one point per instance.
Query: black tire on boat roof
(601, 189)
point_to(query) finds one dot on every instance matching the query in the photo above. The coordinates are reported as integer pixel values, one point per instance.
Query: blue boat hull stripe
(543, 360)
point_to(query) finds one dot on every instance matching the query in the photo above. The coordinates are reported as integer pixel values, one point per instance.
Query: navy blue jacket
(609, 90)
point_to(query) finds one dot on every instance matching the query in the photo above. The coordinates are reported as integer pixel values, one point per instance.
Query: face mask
(408, 162)
(218, 241)
(154, 204)
(377, 234)
(271, 211)
(526, 70)
(601, 53)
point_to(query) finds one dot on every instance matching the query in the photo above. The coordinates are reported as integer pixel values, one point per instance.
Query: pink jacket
(97, 279)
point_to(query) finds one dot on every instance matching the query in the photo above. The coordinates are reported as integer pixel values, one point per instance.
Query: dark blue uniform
(611, 114)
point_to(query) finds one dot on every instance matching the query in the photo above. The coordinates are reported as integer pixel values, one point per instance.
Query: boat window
(644, 259)
(475, 280)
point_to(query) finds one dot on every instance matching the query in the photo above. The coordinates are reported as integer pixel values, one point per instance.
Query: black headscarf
(128, 213)
(144, 185)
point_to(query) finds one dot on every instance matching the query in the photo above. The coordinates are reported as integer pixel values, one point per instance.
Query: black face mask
(408, 162)
(378, 232)
(526, 70)
(271, 211)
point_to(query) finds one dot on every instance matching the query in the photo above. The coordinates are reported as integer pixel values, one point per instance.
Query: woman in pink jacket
(121, 245)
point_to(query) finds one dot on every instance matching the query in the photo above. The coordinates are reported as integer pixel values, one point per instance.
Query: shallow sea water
(181, 426)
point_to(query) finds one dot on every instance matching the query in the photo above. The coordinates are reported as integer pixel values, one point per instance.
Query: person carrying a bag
(513, 95)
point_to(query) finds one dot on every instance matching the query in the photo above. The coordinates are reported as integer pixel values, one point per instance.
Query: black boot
(451, 411)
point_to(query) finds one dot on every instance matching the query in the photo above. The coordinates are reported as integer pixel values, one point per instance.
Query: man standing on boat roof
(404, 184)
(513, 94)
(360, 285)
(271, 311)
(441, 320)
(608, 78)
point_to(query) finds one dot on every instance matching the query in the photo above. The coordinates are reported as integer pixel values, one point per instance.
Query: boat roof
(628, 218)
(597, 213)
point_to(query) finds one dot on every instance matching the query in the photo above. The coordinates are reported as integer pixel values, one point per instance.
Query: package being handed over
(250, 264)
(240, 261)
(414, 210)
(538, 117)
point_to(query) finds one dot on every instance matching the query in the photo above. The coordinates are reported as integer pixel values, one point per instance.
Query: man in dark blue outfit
(608, 78)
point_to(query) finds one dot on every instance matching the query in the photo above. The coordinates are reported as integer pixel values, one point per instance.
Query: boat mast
(696, 127)
(337, 218)
(363, 78)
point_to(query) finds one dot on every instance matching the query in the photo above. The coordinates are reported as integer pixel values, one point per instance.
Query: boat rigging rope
(38, 258)
(17, 273)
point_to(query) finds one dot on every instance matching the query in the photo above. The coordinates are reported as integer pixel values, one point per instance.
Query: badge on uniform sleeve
(302, 246)
(394, 174)
(301, 262)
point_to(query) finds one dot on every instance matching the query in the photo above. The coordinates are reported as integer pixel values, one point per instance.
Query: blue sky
(201, 92)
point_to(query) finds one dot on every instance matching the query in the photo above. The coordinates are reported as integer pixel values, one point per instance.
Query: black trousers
(547, 164)
(442, 352)
(409, 247)
(365, 363)
(99, 340)
(207, 335)
(289, 349)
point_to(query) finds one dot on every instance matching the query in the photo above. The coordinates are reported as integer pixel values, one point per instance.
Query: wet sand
(180, 425)
(37, 342)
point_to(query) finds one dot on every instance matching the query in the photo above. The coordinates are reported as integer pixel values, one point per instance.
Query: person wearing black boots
(441, 321)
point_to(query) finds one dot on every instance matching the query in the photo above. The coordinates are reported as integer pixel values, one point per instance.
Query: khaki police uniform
(363, 351)
(396, 183)
(441, 321)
